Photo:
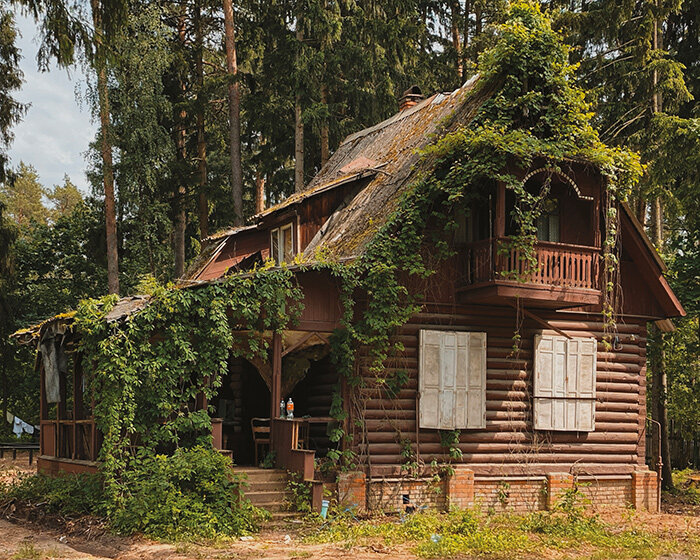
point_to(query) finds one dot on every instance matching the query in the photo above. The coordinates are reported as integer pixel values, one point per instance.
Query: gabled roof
(396, 143)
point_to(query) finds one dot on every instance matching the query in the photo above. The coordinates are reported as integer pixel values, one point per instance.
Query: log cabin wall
(509, 460)
(508, 445)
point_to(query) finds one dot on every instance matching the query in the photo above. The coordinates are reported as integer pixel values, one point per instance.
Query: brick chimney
(410, 98)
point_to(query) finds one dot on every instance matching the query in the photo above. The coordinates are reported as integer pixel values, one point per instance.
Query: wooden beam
(276, 385)
(304, 341)
(541, 321)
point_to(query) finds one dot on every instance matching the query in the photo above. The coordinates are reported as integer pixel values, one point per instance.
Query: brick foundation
(514, 494)
(461, 489)
(557, 484)
(352, 490)
(644, 490)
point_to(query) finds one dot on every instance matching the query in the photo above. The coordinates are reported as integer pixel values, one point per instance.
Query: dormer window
(282, 244)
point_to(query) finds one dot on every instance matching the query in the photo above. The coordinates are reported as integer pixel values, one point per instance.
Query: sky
(57, 129)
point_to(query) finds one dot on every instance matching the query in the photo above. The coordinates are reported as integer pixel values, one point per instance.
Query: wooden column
(500, 225)
(276, 385)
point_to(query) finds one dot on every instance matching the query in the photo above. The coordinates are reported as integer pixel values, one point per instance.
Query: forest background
(211, 110)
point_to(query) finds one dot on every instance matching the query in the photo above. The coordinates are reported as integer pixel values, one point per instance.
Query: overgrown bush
(70, 494)
(190, 494)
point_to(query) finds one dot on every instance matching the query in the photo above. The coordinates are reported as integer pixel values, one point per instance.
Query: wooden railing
(70, 439)
(556, 264)
(285, 443)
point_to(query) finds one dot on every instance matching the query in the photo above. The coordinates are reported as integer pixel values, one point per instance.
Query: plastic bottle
(282, 413)
(290, 408)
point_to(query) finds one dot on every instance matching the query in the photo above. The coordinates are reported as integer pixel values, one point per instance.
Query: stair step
(266, 486)
(259, 498)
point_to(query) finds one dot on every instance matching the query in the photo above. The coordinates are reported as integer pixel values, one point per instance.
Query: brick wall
(511, 494)
(514, 494)
(387, 494)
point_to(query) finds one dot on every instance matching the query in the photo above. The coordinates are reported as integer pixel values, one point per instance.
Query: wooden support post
(276, 385)
(500, 210)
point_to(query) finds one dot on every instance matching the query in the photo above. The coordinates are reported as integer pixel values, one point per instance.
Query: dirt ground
(23, 540)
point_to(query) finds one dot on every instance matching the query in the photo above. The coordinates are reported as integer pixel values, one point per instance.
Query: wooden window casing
(564, 375)
(282, 244)
(452, 380)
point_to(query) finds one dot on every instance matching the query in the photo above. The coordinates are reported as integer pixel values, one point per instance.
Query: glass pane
(554, 227)
(274, 245)
(287, 244)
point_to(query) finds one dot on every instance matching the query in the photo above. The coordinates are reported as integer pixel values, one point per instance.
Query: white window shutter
(581, 367)
(564, 383)
(448, 380)
(429, 378)
(452, 380)
(476, 391)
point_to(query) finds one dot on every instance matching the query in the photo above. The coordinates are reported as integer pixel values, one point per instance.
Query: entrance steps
(267, 489)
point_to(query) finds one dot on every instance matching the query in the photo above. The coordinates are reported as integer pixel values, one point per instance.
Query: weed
(503, 493)
(26, 551)
(300, 491)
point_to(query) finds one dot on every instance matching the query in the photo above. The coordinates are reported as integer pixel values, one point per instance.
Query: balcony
(565, 275)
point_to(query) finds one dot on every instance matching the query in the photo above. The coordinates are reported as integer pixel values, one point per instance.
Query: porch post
(276, 385)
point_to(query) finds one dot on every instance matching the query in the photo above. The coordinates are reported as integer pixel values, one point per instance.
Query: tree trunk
(234, 111)
(180, 218)
(657, 102)
(454, 9)
(641, 210)
(467, 12)
(259, 191)
(657, 224)
(298, 124)
(203, 203)
(106, 153)
(325, 148)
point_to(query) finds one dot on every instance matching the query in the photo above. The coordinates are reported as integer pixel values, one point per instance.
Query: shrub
(190, 494)
(70, 494)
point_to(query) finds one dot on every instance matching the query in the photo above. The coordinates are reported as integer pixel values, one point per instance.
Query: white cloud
(56, 130)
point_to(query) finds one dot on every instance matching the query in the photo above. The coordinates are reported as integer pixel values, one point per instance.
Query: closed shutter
(476, 392)
(452, 380)
(564, 383)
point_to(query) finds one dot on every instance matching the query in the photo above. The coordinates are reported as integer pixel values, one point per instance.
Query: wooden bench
(15, 447)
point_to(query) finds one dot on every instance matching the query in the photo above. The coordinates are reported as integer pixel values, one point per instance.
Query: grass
(460, 533)
(685, 489)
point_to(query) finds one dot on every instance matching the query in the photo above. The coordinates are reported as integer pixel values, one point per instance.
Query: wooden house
(527, 422)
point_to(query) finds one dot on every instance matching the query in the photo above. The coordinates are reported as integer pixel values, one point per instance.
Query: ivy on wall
(146, 373)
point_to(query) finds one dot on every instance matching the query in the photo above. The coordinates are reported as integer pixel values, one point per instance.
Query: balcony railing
(556, 264)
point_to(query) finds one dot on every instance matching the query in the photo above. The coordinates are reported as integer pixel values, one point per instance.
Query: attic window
(564, 383)
(282, 244)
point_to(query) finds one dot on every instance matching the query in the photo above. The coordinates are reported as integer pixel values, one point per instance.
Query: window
(452, 380)
(282, 244)
(548, 221)
(564, 383)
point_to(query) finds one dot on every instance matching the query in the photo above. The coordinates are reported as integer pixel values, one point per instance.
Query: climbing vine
(148, 371)
(533, 112)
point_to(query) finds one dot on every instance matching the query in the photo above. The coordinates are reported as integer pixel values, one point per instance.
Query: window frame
(564, 401)
(278, 249)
